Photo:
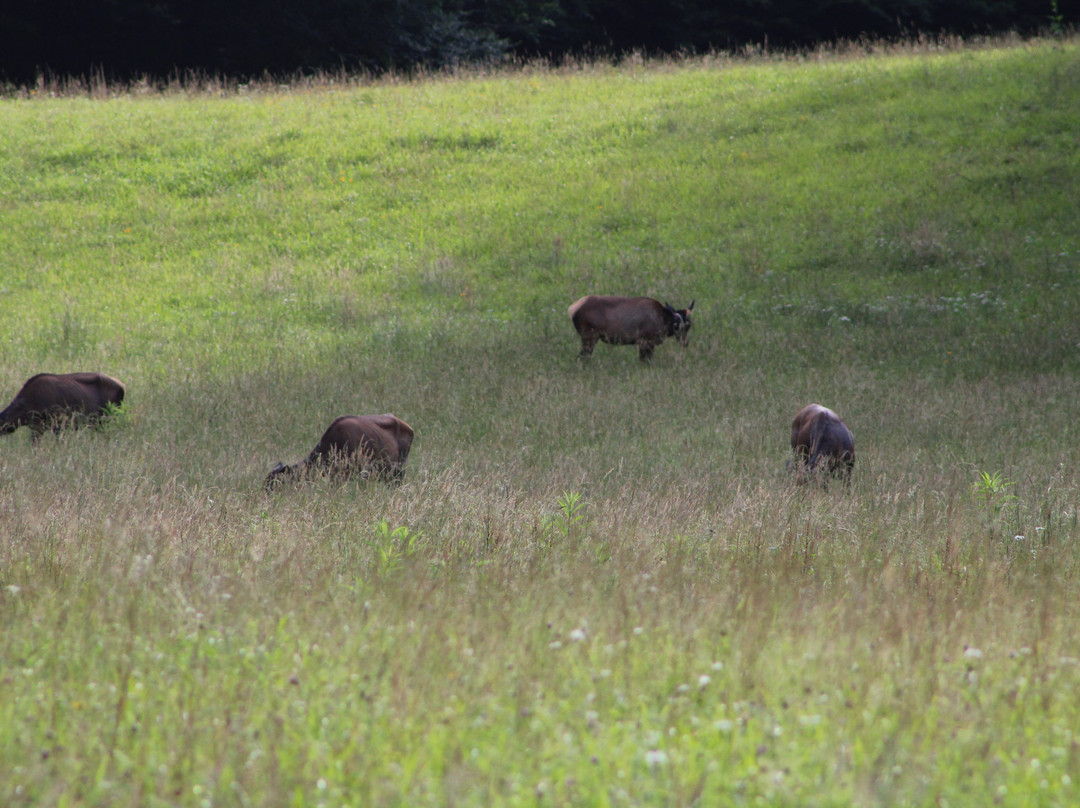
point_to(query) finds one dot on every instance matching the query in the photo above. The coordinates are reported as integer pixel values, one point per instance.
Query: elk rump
(57, 400)
(821, 441)
(373, 446)
(639, 321)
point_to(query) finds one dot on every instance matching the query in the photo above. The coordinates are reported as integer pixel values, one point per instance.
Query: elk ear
(692, 302)
(277, 468)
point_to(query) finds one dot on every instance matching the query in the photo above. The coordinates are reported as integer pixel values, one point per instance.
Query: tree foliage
(246, 38)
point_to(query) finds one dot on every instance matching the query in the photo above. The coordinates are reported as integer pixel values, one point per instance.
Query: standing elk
(58, 400)
(639, 321)
(820, 440)
(370, 445)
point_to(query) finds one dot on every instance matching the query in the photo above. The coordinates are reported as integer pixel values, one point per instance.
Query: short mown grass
(598, 584)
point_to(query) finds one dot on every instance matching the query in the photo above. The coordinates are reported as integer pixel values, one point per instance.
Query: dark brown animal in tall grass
(373, 446)
(821, 440)
(639, 321)
(58, 400)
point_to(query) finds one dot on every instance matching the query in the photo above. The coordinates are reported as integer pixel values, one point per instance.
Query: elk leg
(588, 342)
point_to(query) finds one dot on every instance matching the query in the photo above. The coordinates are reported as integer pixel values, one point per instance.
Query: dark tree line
(128, 39)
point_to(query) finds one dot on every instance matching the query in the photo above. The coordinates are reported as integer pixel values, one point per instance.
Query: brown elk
(820, 440)
(57, 400)
(639, 321)
(374, 446)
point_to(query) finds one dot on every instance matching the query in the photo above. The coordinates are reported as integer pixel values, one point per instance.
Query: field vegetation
(598, 585)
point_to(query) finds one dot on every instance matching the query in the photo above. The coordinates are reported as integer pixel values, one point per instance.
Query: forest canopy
(131, 39)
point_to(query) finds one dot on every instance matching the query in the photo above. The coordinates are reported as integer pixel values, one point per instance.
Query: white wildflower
(656, 757)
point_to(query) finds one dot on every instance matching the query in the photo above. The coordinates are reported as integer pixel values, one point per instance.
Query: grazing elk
(371, 445)
(57, 400)
(821, 440)
(639, 321)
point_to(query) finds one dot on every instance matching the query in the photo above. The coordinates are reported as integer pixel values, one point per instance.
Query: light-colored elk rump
(639, 321)
(373, 446)
(822, 441)
(57, 400)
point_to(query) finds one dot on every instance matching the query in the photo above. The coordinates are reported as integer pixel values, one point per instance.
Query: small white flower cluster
(938, 304)
(579, 634)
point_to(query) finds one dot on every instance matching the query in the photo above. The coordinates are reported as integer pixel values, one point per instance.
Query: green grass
(597, 585)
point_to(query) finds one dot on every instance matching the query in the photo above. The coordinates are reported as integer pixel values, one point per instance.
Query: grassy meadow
(598, 585)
